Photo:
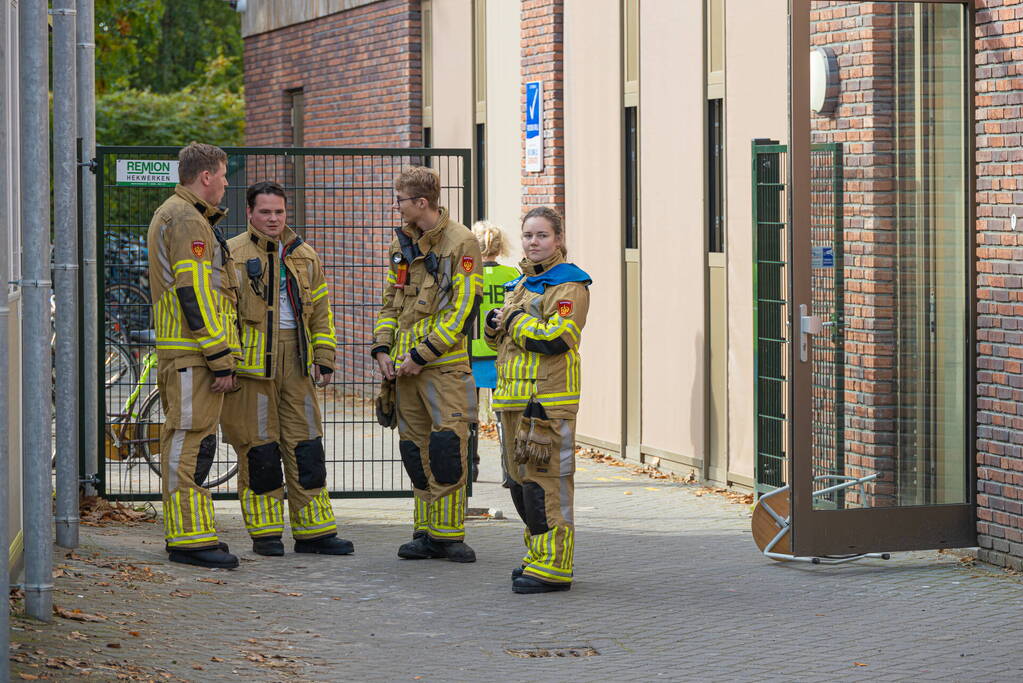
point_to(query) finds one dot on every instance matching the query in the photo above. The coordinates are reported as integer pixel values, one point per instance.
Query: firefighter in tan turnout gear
(192, 280)
(431, 295)
(288, 342)
(537, 334)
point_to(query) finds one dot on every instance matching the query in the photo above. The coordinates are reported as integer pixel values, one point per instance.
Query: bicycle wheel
(119, 365)
(130, 305)
(147, 440)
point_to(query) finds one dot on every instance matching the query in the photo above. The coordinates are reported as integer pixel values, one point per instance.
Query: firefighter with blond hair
(430, 299)
(536, 334)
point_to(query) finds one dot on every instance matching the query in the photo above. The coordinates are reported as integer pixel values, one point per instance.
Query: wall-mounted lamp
(823, 80)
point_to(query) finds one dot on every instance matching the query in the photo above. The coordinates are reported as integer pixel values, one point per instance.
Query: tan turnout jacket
(192, 281)
(427, 314)
(538, 343)
(259, 301)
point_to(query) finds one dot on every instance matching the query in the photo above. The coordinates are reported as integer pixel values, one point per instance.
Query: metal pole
(65, 235)
(87, 132)
(6, 212)
(37, 508)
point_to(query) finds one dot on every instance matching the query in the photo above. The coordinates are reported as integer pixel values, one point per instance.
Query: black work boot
(457, 551)
(517, 572)
(325, 545)
(527, 584)
(271, 547)
(211, 558)
(421, 547)
(221, 545)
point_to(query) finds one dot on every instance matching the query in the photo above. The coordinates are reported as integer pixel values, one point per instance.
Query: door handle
(808, 324)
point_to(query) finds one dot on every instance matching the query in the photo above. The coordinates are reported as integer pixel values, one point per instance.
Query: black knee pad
(535, 506)
(312, 463)
(410, 455)
(516, 496)
(445, 459)
(265, 472)
(204, 461)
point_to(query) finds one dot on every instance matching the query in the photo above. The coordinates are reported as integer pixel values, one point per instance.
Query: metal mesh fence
(342, 200)
(771, 312)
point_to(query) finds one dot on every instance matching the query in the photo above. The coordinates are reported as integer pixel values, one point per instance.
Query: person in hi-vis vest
(492, 246)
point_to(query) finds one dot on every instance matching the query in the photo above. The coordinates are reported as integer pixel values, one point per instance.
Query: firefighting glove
(533, 442)
(387, 414)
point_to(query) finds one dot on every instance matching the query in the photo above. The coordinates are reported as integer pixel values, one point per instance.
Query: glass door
(886, 462)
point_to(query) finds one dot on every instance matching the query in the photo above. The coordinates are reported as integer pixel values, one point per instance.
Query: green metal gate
(339, 200)
(771, 313)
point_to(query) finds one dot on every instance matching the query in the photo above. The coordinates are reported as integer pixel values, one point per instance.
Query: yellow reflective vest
(193, 286)
(257, 259)
(430, 301)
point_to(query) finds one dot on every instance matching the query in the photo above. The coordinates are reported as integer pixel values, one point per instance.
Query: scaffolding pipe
(37, 508)
(65, 275)
(6, 214)
(90, 338)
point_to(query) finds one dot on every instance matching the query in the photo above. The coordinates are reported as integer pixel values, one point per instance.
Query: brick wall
(861, 37)
(999, 281)
(543, 60)
(360, 73)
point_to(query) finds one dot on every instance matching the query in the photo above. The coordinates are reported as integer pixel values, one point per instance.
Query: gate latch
(808, 324)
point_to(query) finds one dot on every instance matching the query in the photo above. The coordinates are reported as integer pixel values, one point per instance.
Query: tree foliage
(166, 45)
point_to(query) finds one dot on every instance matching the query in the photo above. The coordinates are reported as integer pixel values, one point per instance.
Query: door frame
(834, 532)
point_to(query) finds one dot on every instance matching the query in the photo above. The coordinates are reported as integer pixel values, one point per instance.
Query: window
(631, 185)
(715, 176)
(480, 187)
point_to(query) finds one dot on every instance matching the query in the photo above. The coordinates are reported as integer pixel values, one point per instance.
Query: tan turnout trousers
(435, 408)
(276, 421)
(543, 497)
(188, 443)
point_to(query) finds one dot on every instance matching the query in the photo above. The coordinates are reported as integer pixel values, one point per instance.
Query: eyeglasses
(398, 200)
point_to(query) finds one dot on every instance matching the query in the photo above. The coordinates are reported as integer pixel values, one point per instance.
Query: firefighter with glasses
(431, 295)
(192, 280)
(537, 334)
(273, 421)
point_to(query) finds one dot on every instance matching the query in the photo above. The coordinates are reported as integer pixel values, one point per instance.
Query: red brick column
(999, 283)
(543, 60)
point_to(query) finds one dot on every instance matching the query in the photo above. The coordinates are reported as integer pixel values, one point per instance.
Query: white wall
(504, 122)
(672, 229)
(453, 106)
(756, 106)
(593, 195)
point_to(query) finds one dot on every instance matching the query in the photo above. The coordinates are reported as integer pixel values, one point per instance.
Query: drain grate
(531, 652)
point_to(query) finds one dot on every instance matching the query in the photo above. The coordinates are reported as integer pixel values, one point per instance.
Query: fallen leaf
(205, 579)
(628, 493)
(77, 615)
(858, 664)
(180, 594)
(134, 634)
(116, 646)
(28, 677)
(216, 659)
(294, 595)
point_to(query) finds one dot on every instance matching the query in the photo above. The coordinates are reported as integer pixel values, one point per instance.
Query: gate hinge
(92, 165)
(90, 479)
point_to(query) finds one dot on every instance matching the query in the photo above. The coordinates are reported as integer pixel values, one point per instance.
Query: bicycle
(135, 434)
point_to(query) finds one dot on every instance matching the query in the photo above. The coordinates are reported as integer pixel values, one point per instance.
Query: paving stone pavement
(669, 587)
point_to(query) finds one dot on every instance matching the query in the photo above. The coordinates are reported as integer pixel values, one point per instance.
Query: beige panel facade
(755, 107)
(593, 202)
(504, 121)
(453, 103)
(672, 231)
